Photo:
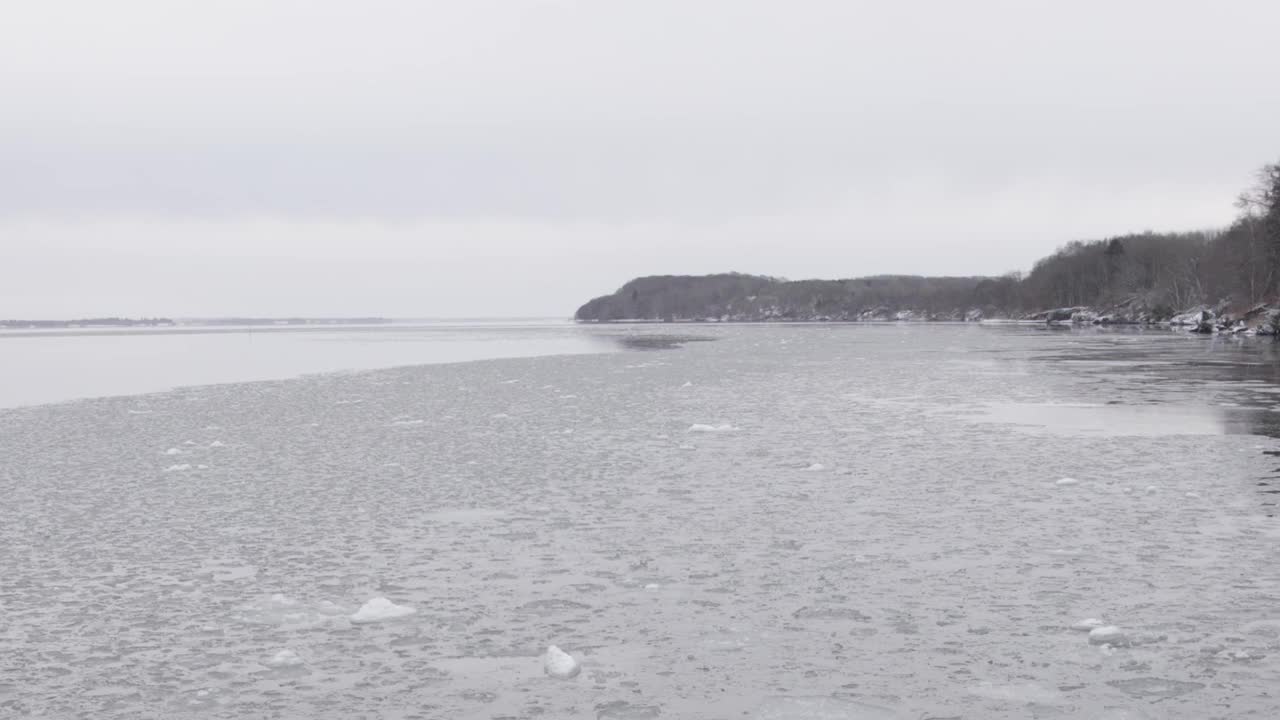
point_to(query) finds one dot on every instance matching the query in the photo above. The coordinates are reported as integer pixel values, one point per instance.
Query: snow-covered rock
(379, 609)
(560, 664)
(1200, 320)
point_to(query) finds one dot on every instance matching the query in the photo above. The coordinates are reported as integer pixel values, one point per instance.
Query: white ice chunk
(178, 468)
(816, 467)
(1088, 624)
(379, 609)
(217, 444)
(1108, 635)
(1068, 481)
(653, 586)
(1152, 489)
(560, 664)
(173, 451)
(687, 384)
(1193, 495)
(284, 659)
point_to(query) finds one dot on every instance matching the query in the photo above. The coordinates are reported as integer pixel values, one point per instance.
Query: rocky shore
(1262, 319)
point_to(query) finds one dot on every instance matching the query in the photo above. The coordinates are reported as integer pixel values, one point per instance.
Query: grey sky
(514, 158)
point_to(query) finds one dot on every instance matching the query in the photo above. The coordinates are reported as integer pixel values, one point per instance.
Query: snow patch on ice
(284, 659)
(217, 444)
(1064, 482)
(178, 468)
(1028, 693)
(285, 611)
(816, 467)
(466, 515)
(379, 609)
(173, 451)
(700, 427)
(1088, 624)
(820, 708)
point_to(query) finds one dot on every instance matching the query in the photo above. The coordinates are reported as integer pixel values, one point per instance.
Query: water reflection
(1108, 420)
(1157, 384)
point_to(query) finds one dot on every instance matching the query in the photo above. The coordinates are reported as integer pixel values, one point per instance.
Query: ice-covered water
(874, 530)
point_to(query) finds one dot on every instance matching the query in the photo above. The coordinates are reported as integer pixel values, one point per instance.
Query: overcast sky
(507, 157)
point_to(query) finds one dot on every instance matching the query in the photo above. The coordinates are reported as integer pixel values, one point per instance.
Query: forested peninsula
(1218, 280)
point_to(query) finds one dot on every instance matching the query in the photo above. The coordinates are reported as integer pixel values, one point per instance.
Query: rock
(560, 664)
(1199, 320)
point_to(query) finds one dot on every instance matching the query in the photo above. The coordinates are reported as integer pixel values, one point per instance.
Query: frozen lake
(899, 521)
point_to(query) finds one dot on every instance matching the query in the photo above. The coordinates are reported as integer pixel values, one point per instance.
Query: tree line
(1159, 273)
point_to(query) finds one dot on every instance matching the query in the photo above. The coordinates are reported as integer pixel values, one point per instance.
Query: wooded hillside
(1151, 274)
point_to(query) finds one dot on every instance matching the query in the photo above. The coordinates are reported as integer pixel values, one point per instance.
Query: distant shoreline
(119, 322)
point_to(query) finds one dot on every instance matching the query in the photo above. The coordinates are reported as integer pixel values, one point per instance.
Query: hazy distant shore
(118, 322)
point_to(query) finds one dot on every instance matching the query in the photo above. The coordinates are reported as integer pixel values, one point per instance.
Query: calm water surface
(46, 366)
(787, 522)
